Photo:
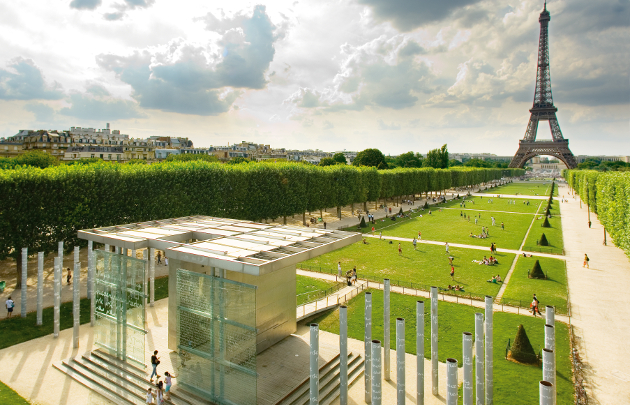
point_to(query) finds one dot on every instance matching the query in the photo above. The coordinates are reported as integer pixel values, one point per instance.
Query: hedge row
(608, 195)
(42, 206)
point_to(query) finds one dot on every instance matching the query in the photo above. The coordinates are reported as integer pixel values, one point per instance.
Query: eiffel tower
(543, 110)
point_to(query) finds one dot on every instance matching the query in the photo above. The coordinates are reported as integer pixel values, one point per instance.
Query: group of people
(491, 261)
(495, 279)
(162, 389)
(455, 287)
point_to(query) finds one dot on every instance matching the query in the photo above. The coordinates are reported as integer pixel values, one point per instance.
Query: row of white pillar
(76, 297)
(373, 367)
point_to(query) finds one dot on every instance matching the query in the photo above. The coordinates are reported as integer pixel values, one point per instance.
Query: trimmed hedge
(608, 195)
(42, 206)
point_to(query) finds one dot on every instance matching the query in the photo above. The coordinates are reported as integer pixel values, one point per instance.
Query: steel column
(467, 358)
(314, 365)
(434, 340)
(420, 352)
(545, 390)
(57, 298)
(23, 297)
(76, 303)
(152, 274)
(90, 272)
(400, 361)
(377, 394)
(479, 366)
(367, 341)
(489, 349)
(40, 287)
(550, 344)
(386, 329)
(451, 382)
(343, 355)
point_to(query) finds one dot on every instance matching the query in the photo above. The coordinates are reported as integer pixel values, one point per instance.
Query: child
(149, 396)
(168, 379)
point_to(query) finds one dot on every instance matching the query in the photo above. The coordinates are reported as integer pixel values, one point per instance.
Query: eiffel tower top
(542, 97)
(544, 15)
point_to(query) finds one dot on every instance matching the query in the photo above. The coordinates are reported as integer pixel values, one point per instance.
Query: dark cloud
(187, 80)
(27, 83)
(88, 107)
(407, 15)
(411, 49)
(114, 16)
(603, 90)
(85, 4)
(585, 15)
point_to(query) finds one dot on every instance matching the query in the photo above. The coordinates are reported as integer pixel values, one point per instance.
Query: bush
(546, 223)
(543, 240)
(537, 272)
(522, 350)
(426, 205)
(401, 211)
(363, 224)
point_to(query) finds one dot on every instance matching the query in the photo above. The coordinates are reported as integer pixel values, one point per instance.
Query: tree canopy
(437, 158)
(371, 158)
(340, 158)
(187, 157)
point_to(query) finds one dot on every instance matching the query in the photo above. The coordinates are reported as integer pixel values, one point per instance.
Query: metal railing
(311, 296)
(328, 301)
(544, 249)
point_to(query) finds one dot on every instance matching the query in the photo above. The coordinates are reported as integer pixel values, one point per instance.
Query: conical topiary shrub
(522, 350)
(363, 224)
(426, 205)
(543, 240)
(546, 223)
(401, 211)
(537, 272)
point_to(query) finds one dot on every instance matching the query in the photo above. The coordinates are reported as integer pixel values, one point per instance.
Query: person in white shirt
(149, 396)
(9, 304)
(339, 269)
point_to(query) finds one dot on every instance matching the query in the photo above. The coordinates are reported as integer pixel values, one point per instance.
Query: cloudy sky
(397, 75)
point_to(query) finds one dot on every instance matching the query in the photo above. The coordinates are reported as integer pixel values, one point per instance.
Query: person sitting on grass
(526, 255)
(471, 235)
(499, 279)
(458, 288)
(450, 287)
(492, 280)
(365, 241)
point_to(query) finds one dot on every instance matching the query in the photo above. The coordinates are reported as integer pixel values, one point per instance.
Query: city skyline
(317, 75)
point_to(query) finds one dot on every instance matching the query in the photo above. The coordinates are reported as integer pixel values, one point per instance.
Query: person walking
(372, 230)
(502, 226)
(399, 249)
(354, 275)
(446, 246)
(419, 235)
(339, 269)
(159, 257)
(535, 304)
(414, 243)
(492, 247)
(168, 380)
(380, 235)
(155, 361)
(10, 305)
(149, 396)
(586, 260)
(452, 272)
(69, 276)
(159, 398)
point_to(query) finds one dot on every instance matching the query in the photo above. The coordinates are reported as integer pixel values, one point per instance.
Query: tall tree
(409, 159)
(370, 157)
(340, 158)
(437, 158)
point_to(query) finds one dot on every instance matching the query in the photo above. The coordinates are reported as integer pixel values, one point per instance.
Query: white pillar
(133, 253)
(76, 254)
(343, 355)
(550, 315)
(550, 344)
(451, 382)
(92, 284)
(76, 303)
(60, 254)
(57, 298)
(545, 392)
(40, 287)
(152, 274)
(467, 352)
(489, 351)
(479, 369)
(434, 340)
(23, 297)
(420, 352)
(377, 396)
(90, 272)
(400, 361)
(107, 249)
(386, 332)
(367, 341)
(314, 365)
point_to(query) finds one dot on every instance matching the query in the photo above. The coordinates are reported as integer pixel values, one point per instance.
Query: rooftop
(235, 245)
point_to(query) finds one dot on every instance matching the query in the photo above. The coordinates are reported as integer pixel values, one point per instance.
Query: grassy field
(553, 235)
(426, 266)
(532, 188)
(552, 291)
(513, 383)
(498, 204)
(8, 396)
(449, 226)
(308, 288)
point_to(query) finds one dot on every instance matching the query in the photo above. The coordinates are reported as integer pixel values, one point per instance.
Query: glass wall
(216, 337)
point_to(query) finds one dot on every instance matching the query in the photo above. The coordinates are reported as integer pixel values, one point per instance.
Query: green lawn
(533, 188)
(552, 291)
(309, 288)
(497, 204)
(424, 267)
(513, 384)
(553, 235)
(8, 396)
(448, 226)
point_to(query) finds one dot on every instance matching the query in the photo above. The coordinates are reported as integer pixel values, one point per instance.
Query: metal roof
(235, 245)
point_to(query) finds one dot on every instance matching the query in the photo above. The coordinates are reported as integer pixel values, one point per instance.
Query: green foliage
(188, 157)
(477, 163)
(608, 195)
(409, 159)
(536, 271)
(340, 158)
(136, 162)
(543, 240)
(362, 224)
(85, 161)
(327, 162)
(522, 350)
(370, 157)
(437, 158)
(454, 162)
(546, 224)
(34, 158)
(238, 159)
(599, 165)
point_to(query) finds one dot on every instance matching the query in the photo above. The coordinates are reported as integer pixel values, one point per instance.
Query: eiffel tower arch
(543, 110)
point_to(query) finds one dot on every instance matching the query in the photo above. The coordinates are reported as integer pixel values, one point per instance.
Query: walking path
(426, 294)
(599, 303)
(330, 301)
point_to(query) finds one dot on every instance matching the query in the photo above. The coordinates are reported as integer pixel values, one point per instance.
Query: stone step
(330, 382)
(100, 385)
(353, 374)
(123, 365)
(299, 390)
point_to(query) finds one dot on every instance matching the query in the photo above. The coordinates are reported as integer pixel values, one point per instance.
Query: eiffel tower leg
(519, 160)
(532, 128)
(556, 134)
